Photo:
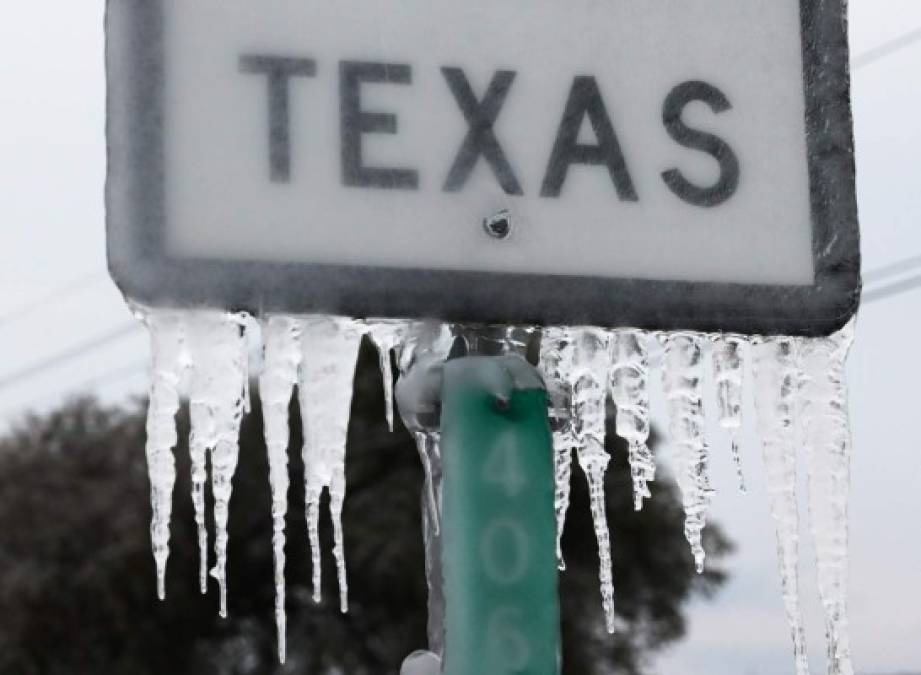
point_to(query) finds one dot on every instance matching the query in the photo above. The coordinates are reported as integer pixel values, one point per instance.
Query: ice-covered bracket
(677, 180)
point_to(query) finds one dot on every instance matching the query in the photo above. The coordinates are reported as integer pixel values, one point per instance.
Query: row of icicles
(799, 386)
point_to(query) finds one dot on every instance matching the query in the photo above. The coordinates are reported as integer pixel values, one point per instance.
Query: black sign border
(145, 274)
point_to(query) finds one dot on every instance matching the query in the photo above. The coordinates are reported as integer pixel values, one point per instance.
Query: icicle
(589, 378)
(427, 342)
(218, 350)
(729, 373)
(629, 389)
(330, 351)
(276, 386)
(556, 355)
(777, 376)
(200, 329)
(828, 444)
(230, 379)
(386, 335)
(682, 378)
(428, 445)
(168, 363)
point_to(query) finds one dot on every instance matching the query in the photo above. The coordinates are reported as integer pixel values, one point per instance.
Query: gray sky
(52, 163)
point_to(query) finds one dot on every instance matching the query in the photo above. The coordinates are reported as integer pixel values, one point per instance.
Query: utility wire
(72, 287)
(893, 269)
(114, 375)
(899, 268)
(70, 354)
(870, 57)
(886, 49)
(896, 288)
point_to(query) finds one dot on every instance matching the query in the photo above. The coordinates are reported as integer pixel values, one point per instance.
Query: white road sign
(654, 163)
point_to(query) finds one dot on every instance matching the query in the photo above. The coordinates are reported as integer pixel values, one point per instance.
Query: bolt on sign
(657, 164)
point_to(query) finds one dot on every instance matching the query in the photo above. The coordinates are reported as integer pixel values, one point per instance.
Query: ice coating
(777, 381)
(729, 377)
(427, 343)
(630, 391)
(589, 379)
(276, 386)
(167, 365)
(230, 395)
(424, 340)
(800, 394)
(828, 445)
(201, 329)
(682, 377)
(218, 352)
(426, 346)
(428, 445)
(556, 364)
(498, 340)
(329, 347)
(386, 335)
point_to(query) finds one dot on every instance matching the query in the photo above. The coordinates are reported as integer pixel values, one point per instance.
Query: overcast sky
(56, 296)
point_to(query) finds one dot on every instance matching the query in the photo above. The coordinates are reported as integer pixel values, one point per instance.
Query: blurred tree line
(77, 587)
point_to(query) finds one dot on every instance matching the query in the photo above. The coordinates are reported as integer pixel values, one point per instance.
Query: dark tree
(77, 584)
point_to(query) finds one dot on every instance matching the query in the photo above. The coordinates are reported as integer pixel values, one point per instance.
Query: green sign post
(499, 531)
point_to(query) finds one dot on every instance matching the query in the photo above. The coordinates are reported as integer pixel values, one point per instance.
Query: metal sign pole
(499, 529)
(490, 548)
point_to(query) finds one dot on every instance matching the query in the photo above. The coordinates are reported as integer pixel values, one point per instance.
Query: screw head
(498, 226)
(502, 404)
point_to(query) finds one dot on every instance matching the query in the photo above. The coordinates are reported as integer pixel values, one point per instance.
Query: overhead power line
(896, 288)
(908, 269)
(70, 354)
(69, 289)
(114, 375)
(893, 269)
(863, 60)
(886, 49)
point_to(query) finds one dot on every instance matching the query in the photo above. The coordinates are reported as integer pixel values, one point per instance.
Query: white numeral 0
(509, 533)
